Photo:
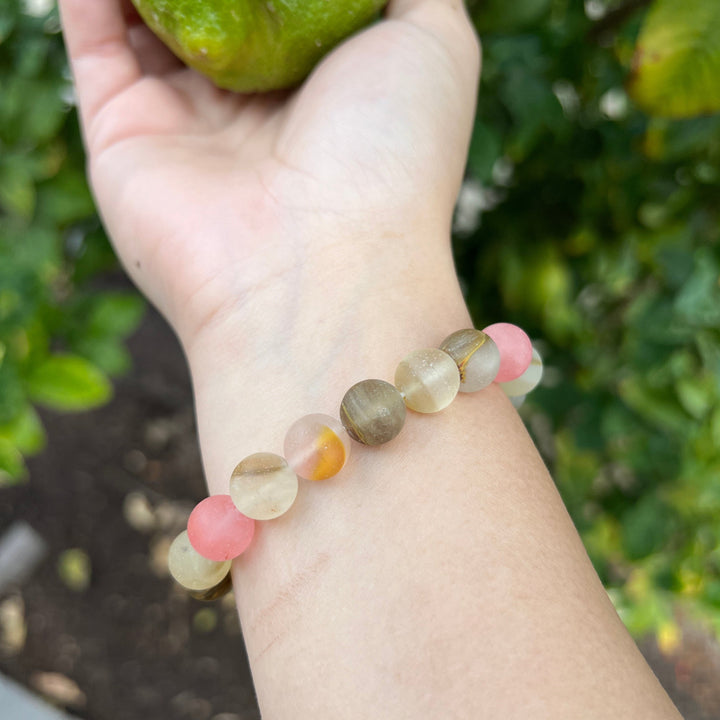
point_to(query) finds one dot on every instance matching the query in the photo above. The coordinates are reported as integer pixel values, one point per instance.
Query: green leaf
(74, 569)
(485, 149)
(116, 314)
(12, 396)
(655, 407)
(502, 16)
(65, 199)
(12, 465)
(696, 394)
(677, 59)
(647, 526)
(698, 303)
(7, 20)
(68, 382)
(25, 432)
(17, 190)
(108, 353)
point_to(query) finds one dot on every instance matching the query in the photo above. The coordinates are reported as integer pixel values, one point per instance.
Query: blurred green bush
(589, 215)
(596, 226)
(61, 335)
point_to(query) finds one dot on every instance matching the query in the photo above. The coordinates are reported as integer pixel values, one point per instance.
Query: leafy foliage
(59, 337)
(598, 228)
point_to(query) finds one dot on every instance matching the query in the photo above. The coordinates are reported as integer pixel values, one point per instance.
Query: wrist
(296, 345)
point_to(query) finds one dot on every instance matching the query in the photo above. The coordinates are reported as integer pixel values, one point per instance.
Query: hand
(209, 196)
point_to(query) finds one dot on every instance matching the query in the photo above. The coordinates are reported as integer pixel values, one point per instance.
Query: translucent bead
(217, 530)
(190, 569)
(316, 447)
(477, 357)
(428, 379)
(263, 486)
(373, 412)
(213, 593)
(515, 350)
(528, 381)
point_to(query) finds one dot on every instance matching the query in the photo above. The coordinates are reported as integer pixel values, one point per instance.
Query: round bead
(515, 350)
(217, 530)
(316, 447)
(263, 486)
(213, 593)
(477, 357)
(429, 380)
(190, 569)
(373, 412)
(528, 381)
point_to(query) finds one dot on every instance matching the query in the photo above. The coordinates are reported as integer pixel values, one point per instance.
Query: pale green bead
(528, 381)
(190, 569)
(215, 592)
(477, 357)
(428, 379)
(263, 486)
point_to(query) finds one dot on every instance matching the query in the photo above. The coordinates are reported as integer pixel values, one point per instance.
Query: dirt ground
(119, 641)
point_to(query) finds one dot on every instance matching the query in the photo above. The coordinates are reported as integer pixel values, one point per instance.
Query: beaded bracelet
(264, 486)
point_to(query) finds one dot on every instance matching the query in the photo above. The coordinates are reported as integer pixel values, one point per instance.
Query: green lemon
(254, 45)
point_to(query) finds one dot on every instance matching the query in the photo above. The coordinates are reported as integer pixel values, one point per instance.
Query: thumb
(449, 23)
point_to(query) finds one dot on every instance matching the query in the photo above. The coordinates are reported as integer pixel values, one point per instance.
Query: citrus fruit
(255, 45)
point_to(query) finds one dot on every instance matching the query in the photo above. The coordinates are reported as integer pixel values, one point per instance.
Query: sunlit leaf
(68, 382)
(25, 432)
(676, 69)
(74, 569)
(12, 465)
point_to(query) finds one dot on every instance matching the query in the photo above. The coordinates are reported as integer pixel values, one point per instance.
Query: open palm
(207, 194)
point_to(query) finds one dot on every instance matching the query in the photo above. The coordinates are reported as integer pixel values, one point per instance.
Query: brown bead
(213, 593)
(373, 412)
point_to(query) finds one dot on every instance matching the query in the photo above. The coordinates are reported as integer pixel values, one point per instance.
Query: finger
(103, 62)
(449, 23)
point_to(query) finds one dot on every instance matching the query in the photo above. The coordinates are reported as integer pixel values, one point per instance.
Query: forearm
(436, 575)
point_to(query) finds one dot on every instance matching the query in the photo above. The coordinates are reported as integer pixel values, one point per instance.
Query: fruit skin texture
(254, 45)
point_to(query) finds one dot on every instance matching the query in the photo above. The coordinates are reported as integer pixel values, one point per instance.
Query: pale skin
(297, 243)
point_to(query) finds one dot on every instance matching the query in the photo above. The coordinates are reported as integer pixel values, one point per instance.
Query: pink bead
(218, 530)
(515, 350)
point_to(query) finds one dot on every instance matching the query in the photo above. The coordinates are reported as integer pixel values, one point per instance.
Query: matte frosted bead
(515, 350)
(373, 412)
(517, 401)
(477, 357)
(429, 380)
(222, 588)
(528, 381)
(217, 530)
(316, 447)
(190, 569)
(263, 486)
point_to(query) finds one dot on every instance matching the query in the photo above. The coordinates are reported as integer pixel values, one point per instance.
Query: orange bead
(317, 447)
